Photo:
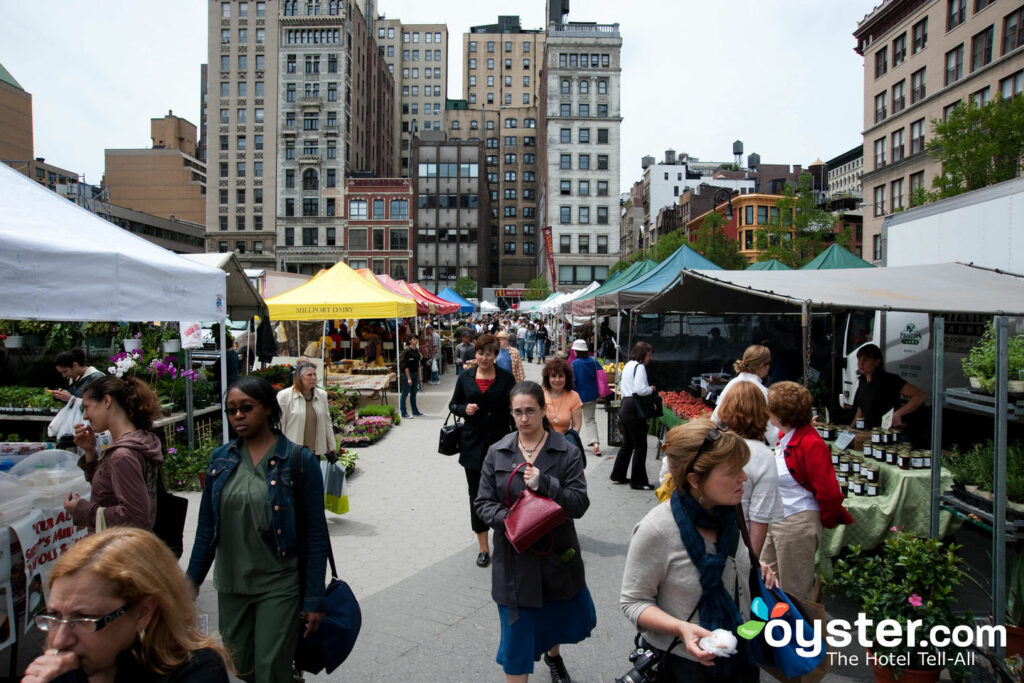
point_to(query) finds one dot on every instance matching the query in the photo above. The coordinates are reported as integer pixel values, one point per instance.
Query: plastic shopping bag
(64, 422)
(335, 488)
(433, 365)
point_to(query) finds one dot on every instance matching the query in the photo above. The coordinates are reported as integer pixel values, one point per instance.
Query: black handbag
(330, 645)
(450, 440)
(169, 525)
(648, 406)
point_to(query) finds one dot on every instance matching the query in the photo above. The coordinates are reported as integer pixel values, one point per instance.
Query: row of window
(574, 60)
(311, 64)
(528, 159)
(243, 62)
(529, 248)
(312, 36)
(414, 108)
(582, 162)
(311, 179)
(582, 244)
(508, 46)
(240, 224)
(397, 238)
(240, 196)
(243, 89)
(508, 81)
(749, 241)
(421, 125)
(241, 115)
(414, 36)
(448, 170)
(896, 197)
(241, 142)
(509, 123)
(447, 201)
(243, 9)
(583, 137)
(399, 209)
(242, 246)
(528, 229)
(584, 86)
(509, 140)
(565, 188)
(490, 64)
(434, 73)
(310, 146)
(582, 215)
(311, 89)
(583, 111)
(243, 36)
(257, 169)
(414, 55)
(290, 8)
(581, 275)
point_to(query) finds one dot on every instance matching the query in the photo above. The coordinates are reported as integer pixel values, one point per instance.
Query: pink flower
(892, 528)
(915, 600)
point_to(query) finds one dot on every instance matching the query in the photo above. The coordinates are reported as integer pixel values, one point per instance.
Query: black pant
(473, 480)
(634, 445)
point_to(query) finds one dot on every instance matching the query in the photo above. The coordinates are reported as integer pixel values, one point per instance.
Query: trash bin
(614, 428)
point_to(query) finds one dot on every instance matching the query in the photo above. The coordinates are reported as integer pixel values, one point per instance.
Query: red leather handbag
(531, 517)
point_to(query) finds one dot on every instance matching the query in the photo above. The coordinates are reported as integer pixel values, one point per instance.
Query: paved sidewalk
(408, 552)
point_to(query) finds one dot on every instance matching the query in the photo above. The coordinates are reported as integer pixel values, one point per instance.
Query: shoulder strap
(754, 561)
(300, 527)
(508, 501)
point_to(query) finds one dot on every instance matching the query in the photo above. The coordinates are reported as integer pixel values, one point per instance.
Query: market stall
(448, 294)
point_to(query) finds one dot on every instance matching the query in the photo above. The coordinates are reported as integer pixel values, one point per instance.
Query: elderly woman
(687, 570)
(542, 596)
(509, 358)
(124, 480)
(811, 497)
(305, 414)
(632, 454)
(481, 397)
(127, 584)
(745, 412)
(753, 368)
(262, 516)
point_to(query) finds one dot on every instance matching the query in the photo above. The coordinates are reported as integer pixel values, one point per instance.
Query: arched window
(310, 180)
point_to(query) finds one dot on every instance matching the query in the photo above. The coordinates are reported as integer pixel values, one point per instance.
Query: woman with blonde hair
(745, 411)
(752, 368)
(687, 569)
(305, 414)
(126, 583)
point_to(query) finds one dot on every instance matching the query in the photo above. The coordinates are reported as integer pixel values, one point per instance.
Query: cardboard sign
(887, 419)
(845, 439)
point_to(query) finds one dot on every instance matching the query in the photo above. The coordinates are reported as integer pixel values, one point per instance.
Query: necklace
(558, 408)
(529, 451)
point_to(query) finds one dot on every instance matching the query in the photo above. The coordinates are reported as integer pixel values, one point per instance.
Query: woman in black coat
(482, 398)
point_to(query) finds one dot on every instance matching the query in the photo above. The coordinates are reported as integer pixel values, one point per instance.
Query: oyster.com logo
(911, 335)
(752, 628)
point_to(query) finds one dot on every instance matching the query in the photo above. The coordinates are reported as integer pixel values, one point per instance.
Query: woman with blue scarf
(687, 570)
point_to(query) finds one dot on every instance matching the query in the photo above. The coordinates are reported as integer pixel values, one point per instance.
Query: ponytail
(136, 398)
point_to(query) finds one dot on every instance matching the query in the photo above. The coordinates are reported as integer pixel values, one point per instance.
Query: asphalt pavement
(408, 552)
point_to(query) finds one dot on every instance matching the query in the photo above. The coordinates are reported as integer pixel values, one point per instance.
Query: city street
(408, 552)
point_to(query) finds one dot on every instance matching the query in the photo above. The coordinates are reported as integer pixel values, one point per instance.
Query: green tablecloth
(903, 502)
(668, 418)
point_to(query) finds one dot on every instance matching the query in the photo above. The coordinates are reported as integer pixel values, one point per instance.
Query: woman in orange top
(562, 405)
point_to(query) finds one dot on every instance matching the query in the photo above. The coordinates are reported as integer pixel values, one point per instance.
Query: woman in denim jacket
(263, 506)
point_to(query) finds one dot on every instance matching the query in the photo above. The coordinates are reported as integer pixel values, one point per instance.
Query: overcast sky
(780, 75)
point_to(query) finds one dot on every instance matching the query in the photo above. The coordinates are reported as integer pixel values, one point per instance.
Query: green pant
(261, 631)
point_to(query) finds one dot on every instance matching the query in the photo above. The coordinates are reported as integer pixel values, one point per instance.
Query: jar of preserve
(869, 450)
(878, 451)
(871, 488)
(890, 456)
(876, 435)
(857, 486)
(904, 461)
(844, 464)
(871, 473)
(926, 459)
(859, 424)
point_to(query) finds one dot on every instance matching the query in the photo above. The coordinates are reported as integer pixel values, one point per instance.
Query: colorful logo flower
(752, 628)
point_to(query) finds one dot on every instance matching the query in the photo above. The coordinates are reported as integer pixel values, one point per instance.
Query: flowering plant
(906, 578)
(123, 362)
(365, 429)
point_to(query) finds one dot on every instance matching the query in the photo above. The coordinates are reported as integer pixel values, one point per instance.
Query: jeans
(411, 392)
(542, 348)
(434, 376)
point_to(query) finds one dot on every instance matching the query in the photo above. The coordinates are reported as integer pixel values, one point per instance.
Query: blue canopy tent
(448, 294)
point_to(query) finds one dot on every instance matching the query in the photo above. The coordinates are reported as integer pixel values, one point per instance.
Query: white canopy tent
(940, 289)
(61, 262)
(488, 307)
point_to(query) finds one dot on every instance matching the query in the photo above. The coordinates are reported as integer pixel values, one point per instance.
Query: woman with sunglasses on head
(262, 515)
(481, 397)
(688, 569)
(305, 414)
(120, 609)
(811, 497)
(753, 368)
(124, 478)
(542, 595)
(632, 454)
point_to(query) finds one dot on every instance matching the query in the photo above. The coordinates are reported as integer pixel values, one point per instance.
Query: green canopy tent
(770, 264)
(584, 305)
(835, 257)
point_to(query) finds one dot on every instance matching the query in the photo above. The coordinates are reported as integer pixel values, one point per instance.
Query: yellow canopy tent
(339, 293)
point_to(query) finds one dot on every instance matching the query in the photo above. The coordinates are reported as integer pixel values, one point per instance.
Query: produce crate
(614, 428)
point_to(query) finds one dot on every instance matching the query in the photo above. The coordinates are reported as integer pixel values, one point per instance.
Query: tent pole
(805, 317)
(618, 335)
(223, 376)
(398, 368)
(938, 344)
(1002, 325)
(190, 422)
(323, 351)
(298, 339)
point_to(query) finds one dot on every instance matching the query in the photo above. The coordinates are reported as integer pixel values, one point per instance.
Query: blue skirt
(539, 629)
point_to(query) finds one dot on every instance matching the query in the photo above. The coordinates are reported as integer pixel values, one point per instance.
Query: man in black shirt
(879, 391)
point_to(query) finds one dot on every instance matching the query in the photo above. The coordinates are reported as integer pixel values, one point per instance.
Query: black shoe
(645, 487)
(418, 414)
(557, 668)
(619, 481)
(483, 559)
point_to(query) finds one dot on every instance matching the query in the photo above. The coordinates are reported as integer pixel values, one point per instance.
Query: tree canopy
(465, 287)
(537, 289)
(713, 244)
(811, 226)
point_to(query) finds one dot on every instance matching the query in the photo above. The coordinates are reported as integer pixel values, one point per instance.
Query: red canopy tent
(423, 307)
(443, 307)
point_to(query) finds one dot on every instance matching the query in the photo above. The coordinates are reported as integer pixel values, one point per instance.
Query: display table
(370, 383)
(903, 502)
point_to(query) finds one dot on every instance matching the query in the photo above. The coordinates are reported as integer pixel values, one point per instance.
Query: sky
(780, 75)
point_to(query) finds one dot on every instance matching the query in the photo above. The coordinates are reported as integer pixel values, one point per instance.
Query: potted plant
(63, 336)
(13, 339)
(980, 363)
(171, 338)
(907, 578)
(129, 337)
(98, 335)
(35, 331)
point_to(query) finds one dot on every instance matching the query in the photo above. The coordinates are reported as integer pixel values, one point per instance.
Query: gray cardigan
(659, 572)
(528, 579)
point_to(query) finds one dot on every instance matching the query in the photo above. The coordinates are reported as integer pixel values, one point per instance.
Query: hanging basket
(172, 345)
(132, 345)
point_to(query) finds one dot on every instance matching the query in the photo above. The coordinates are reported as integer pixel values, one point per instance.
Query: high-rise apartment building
(204, 90)
(579, 99)
(417, 56)
(922, 58)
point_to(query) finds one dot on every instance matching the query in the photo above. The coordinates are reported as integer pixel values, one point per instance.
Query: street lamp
(726, 195)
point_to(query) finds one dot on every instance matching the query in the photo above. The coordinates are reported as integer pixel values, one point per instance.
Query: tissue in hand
(721, 642)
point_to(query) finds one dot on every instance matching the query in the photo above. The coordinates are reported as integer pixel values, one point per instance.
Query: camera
(646, 664)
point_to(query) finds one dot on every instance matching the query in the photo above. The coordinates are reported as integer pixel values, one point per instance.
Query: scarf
(717, 608)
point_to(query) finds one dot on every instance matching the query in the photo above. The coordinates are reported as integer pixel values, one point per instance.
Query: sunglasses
(245, 409)
(713, 435)
(48, 622)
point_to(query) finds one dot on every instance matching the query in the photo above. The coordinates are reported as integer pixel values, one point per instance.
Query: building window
(223, 223)
(289, 207)
(565, 110)
(584, 111)
(510, 248)
(310, 207)
(602, 136)
(602, 162)
(565, 161)
(956, 13)
(332, 180)
(1013, 30)
(899, 101)
(565, 135)
(357, 239)
(955, 64)
(917, 86)
(899, 50)
(565, 187)
(584, 162)
(880, 200)
(289, 237)
(357, 209)
(583, 242)
(1012, 85)
(880, 112)
(309, 237)
(584, 188)
(981, 48)
(879, 153)
(565, 215)
(897, 194)
(602, 219)
(919, 34)
(897, 146)
(565, 244)
(378, 239)
(916, 184)
(399, 209)
(917, 136)
(329, 208)
(881, 62)
(981, 97)
(584, 136)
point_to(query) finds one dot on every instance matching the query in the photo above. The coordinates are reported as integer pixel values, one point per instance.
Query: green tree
(537, 289)
(800, 229)
(465, 287)
(712, 243)
(622, 264)
(666, 245)
(978, 146)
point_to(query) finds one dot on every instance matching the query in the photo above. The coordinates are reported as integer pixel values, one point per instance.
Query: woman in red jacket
(811, 498)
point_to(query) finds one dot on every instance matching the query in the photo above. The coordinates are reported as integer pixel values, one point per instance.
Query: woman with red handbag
(542, 595)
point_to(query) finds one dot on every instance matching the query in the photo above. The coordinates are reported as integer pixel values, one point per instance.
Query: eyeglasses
(713, 435)
(245, 409)
(527, 413)
(48, 622)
